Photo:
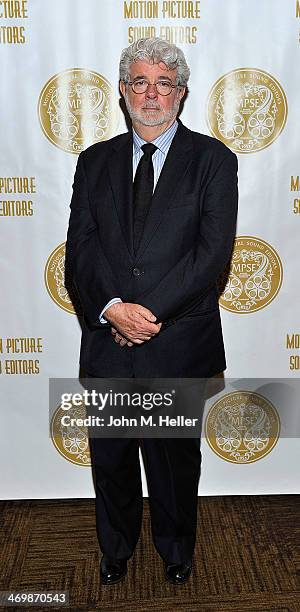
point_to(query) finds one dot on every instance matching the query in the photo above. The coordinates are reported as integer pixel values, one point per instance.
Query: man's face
(151, 108)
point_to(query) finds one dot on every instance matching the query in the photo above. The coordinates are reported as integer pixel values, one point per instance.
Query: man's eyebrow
(143, 76)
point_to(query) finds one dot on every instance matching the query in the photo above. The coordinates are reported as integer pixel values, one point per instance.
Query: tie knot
(149, 149)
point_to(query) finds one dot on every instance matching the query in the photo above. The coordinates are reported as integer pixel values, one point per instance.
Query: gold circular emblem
(253, 278)
(71, 441)
(56, 281)
(77, 108)
(246, 109)
(242, 427)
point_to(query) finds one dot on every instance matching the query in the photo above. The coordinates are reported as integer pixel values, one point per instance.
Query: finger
(145, 327)
(144, 336)
(121, 340)
(140, 332)
(146, 313)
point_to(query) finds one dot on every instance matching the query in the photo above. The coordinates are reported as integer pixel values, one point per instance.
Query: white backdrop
(86, 37)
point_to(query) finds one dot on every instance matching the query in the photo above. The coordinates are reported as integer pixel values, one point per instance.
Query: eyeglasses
(140, 86)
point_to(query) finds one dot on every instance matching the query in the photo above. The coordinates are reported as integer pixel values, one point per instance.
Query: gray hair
(154, 50)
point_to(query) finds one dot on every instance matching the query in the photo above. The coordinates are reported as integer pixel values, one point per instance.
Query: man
(152, 224)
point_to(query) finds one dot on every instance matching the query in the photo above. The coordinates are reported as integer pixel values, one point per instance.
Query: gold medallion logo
(56, 280)
(254, 277)
(76, 109)
(242, 427)
(246, 109)
(71, 441)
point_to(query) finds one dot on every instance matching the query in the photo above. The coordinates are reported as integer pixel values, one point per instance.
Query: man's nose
(151, 91)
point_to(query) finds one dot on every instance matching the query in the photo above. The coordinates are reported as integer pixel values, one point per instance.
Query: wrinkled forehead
(151, 70)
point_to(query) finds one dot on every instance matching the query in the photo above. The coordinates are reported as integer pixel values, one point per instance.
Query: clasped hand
(131, 323)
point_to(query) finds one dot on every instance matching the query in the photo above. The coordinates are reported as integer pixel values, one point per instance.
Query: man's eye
(165, 84)
(140, 82)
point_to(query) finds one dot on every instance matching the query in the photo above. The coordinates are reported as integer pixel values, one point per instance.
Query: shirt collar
(162, 142)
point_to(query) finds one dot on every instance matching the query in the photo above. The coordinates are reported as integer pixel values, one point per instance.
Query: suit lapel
(176, 164)
(120, 174)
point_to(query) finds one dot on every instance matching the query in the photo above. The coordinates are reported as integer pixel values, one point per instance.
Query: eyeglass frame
(155, 84)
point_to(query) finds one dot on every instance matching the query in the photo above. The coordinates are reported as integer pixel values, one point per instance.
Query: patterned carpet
(247, 557)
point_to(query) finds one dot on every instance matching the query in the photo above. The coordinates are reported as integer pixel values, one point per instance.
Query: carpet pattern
(247, 557)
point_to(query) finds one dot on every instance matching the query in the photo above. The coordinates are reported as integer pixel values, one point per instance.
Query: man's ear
(122, 86)
(182, 92)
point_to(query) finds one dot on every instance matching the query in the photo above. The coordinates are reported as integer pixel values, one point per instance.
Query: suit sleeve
(198, 270)
(86, 262)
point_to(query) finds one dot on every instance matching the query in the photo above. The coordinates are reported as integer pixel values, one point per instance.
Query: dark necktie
(142, 192)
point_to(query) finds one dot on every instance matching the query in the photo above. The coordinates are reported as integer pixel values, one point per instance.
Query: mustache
(154, 107)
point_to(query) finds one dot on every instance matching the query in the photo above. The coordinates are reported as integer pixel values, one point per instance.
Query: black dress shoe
(112, 570)
(178, 573)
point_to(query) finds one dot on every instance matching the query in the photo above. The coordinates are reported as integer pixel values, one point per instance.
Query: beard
(151, 118)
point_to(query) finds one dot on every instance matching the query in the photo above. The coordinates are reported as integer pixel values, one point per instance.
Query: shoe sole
(177, 583)
(112, 581)
(174, 581)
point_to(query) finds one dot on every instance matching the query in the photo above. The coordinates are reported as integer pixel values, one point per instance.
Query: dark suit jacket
(186, 244)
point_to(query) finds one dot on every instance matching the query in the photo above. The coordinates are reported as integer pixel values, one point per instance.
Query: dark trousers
(172, 467)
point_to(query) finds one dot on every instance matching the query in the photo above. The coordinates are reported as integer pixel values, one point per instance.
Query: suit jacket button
(137, 272)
